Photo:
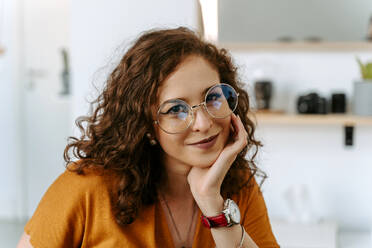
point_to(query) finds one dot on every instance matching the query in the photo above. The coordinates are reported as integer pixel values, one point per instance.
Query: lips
(204, 140)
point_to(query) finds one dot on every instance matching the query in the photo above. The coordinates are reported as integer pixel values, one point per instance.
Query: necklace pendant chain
(174, 223)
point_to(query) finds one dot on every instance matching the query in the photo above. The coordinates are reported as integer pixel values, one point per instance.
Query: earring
(152, 140)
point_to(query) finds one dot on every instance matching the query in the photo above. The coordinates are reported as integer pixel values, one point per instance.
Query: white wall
(315, 156)
(47, 117)
(34, 120)
(10, 191)
(269, 20)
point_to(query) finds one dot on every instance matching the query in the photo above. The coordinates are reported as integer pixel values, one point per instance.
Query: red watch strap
(215, 221)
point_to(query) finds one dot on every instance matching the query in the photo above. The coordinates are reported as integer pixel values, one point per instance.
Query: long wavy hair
(114, 137)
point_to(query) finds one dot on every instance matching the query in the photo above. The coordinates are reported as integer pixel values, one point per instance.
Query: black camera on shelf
(312, 103)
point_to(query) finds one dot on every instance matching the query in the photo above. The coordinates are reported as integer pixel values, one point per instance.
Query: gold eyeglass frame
(195, 106)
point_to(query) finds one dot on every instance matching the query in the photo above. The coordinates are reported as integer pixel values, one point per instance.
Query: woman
(161, 161)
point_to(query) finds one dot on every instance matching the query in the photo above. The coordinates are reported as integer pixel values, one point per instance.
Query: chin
(204, 160)
(200, 164)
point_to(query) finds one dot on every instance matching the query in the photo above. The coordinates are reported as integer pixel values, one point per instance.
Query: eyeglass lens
(175, 116)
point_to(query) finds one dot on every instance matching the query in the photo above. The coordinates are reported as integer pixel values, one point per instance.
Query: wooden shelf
(312, 119)
(321, 46)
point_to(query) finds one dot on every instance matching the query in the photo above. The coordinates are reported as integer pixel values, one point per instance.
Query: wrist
(228, 217)
(210, 206)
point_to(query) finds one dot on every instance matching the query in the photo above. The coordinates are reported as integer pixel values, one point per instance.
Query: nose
(202, 120)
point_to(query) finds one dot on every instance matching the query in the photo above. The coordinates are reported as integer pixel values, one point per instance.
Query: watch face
(234, 212)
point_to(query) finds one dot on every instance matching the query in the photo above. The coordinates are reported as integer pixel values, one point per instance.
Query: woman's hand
(205, 183)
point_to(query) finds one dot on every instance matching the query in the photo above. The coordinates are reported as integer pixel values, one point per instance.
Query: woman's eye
(213, 97)
(176, 109)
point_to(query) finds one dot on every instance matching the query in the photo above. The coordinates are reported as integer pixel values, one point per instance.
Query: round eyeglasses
(175, 116)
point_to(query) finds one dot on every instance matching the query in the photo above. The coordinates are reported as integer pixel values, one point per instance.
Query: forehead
(189, 81)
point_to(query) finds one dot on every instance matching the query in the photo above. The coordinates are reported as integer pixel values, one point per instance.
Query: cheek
(171, 143)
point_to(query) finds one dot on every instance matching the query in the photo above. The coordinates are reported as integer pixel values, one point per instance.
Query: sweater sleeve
(59, 218)
(254, 216)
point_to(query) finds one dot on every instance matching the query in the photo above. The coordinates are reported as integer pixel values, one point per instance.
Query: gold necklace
(174, 223)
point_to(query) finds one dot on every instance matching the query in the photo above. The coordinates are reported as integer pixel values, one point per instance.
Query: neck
(176, 185)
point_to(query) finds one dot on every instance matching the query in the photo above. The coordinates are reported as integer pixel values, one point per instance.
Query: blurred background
(298, 60)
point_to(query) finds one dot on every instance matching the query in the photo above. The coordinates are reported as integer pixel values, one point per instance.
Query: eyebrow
(183, 99)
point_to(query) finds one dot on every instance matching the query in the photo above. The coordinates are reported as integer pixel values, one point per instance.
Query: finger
(232, 130)
(235, 124)
(243, 132)
(240, 138)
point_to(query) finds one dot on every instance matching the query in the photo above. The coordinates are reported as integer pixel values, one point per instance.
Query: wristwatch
(229, 216)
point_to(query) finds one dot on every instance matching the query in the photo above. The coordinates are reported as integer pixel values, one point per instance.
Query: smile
(206, 143)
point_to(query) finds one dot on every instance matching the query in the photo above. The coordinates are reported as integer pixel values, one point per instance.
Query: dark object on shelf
(286, 39)
(313, 39)
(338, 103)
(263, 91)
(312, 104)
(349, 135)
